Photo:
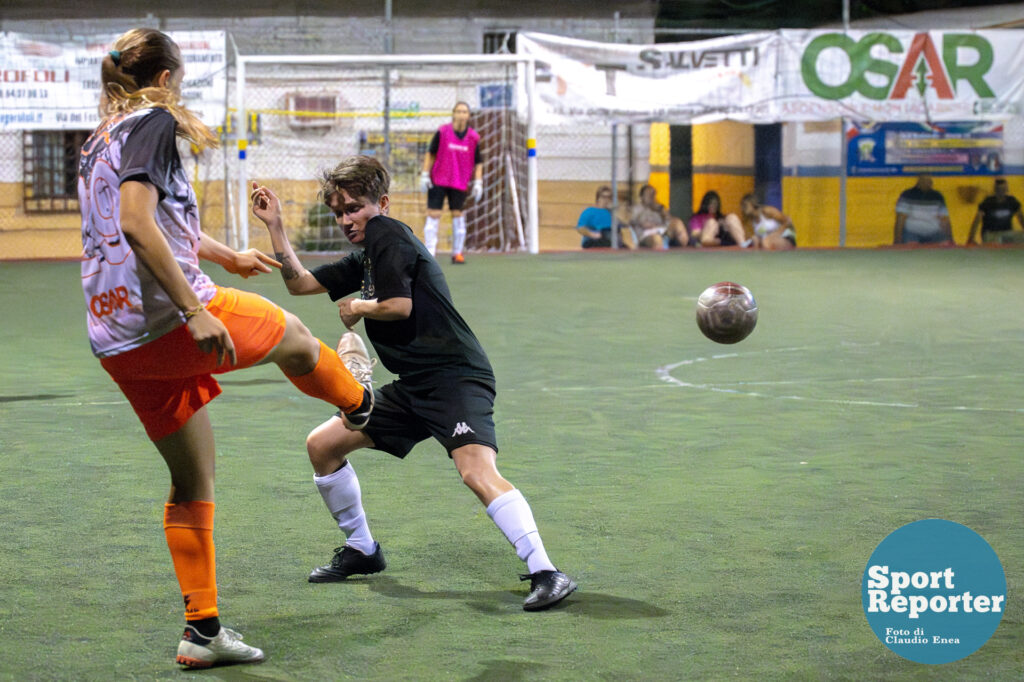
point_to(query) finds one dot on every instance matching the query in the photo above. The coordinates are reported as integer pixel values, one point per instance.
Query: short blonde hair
(359, 176)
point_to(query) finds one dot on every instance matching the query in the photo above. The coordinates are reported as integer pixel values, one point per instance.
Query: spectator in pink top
(709, 227)
(452, 161)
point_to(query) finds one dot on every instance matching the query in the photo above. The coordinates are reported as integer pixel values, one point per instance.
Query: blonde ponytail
(128, 73)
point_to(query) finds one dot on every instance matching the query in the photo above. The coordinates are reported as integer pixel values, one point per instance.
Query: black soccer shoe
(547, 588)
(349, 561)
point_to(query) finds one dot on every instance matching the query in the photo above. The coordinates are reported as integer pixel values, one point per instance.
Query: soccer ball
(726, 312)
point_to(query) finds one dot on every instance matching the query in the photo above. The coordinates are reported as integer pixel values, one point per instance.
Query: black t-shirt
(434, 339)
(997, 216)
(435, 144)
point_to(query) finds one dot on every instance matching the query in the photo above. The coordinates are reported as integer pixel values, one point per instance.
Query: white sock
(511, 514)
(430, 234)
(458, 234)
(342, 496)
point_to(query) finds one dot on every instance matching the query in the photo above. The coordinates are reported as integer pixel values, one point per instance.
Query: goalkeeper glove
(478, 190)
(425, 182)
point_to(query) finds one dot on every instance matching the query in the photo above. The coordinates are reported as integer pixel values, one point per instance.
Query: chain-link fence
(303, 118)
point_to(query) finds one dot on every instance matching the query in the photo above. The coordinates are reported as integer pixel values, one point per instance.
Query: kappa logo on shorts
(461, 429)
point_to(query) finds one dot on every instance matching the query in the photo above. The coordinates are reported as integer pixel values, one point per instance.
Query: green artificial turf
(717, 504)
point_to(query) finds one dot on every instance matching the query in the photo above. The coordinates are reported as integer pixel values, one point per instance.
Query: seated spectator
(595, 223)
(709, 227)
(773, 230)
(655, 228)
(995, 216)
(922, 216)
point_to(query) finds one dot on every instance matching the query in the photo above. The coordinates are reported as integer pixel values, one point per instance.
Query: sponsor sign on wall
(786, 75)
(56, 85)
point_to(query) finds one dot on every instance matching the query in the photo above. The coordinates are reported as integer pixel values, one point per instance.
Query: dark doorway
(768, 163)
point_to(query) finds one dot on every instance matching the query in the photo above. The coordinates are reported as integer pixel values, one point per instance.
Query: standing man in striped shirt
(922, 216)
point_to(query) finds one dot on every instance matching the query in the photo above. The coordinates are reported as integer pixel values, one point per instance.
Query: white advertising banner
(785, 75)
(699, 81)
(56, 85)
(900, 75)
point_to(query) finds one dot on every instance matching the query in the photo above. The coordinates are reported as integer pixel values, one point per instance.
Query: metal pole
(631, 159)
(242, 130)
(615, 185)
(532, 209)
(844, 152)
(229, 213)
(388, 49)
(843, 159)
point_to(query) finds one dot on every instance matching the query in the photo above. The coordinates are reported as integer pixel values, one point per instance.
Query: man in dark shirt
(995, 216)
(445, 388)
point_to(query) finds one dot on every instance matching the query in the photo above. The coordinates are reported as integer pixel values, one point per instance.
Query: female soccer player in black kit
(445, 387)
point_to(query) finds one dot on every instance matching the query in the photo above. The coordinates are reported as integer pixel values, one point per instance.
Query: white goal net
(302, 115)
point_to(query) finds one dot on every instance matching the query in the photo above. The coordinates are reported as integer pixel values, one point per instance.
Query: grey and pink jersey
(125, 305)
(456, 156)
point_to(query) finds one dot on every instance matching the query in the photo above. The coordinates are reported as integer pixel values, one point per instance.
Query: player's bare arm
(390, 309)
(138, 206)
(243, 263)
(267, 207)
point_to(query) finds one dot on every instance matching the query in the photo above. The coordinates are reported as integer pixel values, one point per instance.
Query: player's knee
(299, 350)
(475, 479)
(325, 452)
(479, 473)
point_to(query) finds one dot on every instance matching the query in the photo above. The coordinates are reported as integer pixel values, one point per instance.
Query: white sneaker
(356, 359)
(196, 651)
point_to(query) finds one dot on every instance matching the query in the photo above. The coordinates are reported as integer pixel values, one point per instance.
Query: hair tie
(115, 56)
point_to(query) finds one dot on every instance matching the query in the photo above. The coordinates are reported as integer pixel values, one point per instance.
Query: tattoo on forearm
(289, 270)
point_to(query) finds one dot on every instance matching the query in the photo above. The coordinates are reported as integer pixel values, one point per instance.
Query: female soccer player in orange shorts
(162, 328)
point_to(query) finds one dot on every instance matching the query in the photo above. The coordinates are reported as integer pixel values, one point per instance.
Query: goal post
(297, 115)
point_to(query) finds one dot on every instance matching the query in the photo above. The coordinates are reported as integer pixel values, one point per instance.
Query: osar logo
(965, 57)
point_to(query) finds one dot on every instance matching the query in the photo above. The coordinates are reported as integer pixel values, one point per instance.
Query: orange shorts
(168, 379)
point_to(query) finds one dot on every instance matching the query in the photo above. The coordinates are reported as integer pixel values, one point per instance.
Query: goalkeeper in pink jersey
(451, 162)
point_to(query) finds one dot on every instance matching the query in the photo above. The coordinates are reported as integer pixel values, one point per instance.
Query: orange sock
(330, 381)
(189, 530)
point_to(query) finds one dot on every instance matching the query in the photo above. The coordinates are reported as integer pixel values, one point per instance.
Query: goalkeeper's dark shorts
(436, 196)
(454, 410)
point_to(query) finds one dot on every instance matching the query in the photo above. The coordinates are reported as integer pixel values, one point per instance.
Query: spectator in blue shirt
(595, 223)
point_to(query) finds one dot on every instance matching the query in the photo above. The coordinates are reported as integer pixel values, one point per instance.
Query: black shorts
(454, 410)
(436, 196)
(604, 241)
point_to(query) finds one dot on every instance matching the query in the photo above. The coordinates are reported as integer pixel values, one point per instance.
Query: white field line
(664, 373)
